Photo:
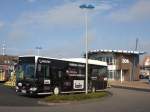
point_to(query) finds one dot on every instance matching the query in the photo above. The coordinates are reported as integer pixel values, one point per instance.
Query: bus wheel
(17, 92)
(93, 89)
(56, 91)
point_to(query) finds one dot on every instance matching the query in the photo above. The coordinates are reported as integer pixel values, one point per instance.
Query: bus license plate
(23, 91)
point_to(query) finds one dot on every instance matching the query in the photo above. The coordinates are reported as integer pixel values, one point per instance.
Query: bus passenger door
(44, 76)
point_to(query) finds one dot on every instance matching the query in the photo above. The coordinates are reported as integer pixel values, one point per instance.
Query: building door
(126, 75)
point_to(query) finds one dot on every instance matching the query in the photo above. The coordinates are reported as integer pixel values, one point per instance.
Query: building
(7, 66)
(122, 65)
(8, 60)
(145, 67)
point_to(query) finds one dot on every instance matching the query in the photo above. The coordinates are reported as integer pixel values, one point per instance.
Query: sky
(58, 26)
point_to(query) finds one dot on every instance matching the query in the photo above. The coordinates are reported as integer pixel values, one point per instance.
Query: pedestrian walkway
(136, 85)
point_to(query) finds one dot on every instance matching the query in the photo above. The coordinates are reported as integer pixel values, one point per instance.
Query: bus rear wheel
(56, 91)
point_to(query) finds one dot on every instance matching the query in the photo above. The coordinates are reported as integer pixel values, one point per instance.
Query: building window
(113, 61)
(110, 60)
(117, 75)
(100, 58)
(110, 74)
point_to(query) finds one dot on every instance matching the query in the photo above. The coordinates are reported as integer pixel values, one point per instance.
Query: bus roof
(77, 60)
(83, 60)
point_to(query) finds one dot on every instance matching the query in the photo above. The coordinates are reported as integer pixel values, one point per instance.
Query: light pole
(38, 50)
(87, 7)
(3, 48)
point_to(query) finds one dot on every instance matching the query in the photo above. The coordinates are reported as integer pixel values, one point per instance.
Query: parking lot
(122, 100)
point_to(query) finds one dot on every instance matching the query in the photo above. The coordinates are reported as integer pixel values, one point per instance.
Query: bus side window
(54, 72)
(81, 71)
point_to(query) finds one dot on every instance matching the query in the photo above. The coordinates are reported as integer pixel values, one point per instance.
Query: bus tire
(93, 89)
(17, 93)
(56, 91)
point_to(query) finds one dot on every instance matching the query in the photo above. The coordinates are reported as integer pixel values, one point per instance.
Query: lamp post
(3, 48)
(87, 7)
(38, 50)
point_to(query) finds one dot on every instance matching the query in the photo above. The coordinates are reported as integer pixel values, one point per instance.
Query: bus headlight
(19, 84)
(33, 89)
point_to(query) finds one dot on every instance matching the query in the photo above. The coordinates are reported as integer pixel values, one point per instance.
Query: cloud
(68, 49)
(1, 24)
(68, 14)
(104, 6)
(31, 1)
(139, 11)
(17, 34)
(23, 29)
(64, 16)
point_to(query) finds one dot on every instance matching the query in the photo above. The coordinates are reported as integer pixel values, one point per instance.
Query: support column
(121, 78)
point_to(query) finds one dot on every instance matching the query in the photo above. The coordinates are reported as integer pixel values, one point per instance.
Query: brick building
(122, 65)
(6, 66)
(8, 60)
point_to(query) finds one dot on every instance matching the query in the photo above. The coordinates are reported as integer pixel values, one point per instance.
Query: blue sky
(58, 26)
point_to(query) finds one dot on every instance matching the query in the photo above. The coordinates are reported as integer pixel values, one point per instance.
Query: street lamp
(3, 48)
(38, 50)
(87, 7)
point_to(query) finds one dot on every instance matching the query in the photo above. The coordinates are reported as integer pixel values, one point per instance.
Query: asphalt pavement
(8, 97)
(142, 85)
(122, 100)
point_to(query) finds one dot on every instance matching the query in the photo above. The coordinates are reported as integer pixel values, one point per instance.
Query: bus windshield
(25, 70)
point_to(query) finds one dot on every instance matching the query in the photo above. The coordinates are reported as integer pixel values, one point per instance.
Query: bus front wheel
(56, 91)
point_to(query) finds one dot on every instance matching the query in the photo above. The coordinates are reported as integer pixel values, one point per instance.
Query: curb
(131, 88)
(52, 104)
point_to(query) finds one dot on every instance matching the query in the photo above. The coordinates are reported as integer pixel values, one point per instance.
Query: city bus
(37, 75)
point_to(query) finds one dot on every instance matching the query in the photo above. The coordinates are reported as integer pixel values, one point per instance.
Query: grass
(75, 97)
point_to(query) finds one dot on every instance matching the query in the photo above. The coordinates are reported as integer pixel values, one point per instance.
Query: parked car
(142, 76)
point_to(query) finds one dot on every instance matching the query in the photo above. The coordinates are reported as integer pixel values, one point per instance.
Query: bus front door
(44, 77)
